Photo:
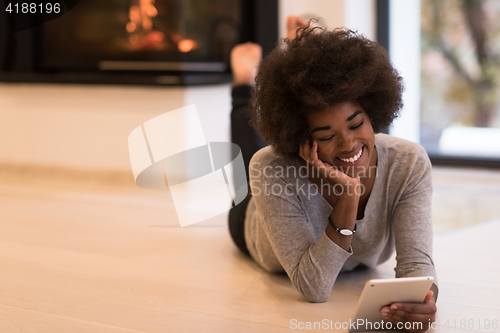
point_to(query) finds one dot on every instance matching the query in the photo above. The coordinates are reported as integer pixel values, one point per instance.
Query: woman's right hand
(332, 174)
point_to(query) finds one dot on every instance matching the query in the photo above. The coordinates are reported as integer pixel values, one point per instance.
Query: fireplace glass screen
(156, 35)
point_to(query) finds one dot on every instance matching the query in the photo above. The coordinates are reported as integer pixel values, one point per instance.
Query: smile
(352, 159)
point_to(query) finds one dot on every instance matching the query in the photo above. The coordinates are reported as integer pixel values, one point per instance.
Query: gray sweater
(287, 217)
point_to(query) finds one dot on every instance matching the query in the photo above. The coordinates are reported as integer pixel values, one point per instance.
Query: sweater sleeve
(412, 221)
(312, 264)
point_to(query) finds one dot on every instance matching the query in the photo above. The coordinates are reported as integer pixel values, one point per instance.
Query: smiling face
(345, 137)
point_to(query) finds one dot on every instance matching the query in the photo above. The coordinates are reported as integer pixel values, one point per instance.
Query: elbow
(274, 269)
(315, 294)
(313, 290)
(317, 298)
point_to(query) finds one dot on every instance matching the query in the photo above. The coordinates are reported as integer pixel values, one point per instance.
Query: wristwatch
(345, 232)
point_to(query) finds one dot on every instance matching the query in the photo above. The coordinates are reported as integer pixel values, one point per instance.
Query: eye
(326, 139)
(359, 125)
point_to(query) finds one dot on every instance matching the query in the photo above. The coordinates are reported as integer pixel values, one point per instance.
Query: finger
(305, 151)
(416, 325)
(386, 307)
(385, 311)
(333, 173)
(302, 151)
(408, 316)
(332, 168)
(428, 297)
(429, 307)
(315, 156)
(314, 152)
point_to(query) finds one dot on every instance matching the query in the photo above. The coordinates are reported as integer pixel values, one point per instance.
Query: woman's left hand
(424, 313)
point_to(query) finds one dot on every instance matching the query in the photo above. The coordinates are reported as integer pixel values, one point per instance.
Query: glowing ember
(140, 16)
(134, 14)
(187, 45)
(133, 39)
(131, 27)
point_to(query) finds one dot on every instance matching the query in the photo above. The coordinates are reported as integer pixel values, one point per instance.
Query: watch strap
(344, 232)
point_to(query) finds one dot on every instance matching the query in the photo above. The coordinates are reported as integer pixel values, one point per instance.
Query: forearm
(317, 270)
(323, 272)
(344, 217)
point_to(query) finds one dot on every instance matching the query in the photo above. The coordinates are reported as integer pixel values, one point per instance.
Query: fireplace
(139, 42)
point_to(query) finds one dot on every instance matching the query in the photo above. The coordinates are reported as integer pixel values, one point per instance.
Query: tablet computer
(380, 292)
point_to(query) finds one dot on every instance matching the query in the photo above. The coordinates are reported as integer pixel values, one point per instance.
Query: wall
(87, 126)
(405, 55)
(332, 11)
(359, 15)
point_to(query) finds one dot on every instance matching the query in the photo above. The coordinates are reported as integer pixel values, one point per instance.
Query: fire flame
(187, 45)
(140, 16)
(142, 36)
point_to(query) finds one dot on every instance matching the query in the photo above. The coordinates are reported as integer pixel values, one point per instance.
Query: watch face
(346, 232)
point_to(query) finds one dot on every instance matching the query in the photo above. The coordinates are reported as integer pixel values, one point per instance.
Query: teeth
(352, 159)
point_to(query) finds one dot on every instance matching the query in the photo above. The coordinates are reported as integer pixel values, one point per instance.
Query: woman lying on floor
(328, 194)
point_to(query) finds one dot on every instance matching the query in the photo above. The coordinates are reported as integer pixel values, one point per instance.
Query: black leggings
(237, 224)
(249, 142)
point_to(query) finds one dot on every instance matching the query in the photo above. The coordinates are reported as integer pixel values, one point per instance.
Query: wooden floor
(87, 255)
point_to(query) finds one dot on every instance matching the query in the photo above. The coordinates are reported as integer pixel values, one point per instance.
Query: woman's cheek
(324, 154)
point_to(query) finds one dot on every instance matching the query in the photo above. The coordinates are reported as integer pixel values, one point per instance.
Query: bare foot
(245, 59)
(292, 24)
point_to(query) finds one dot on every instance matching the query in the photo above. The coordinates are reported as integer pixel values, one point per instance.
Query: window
(460, 67)
(448, 53)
